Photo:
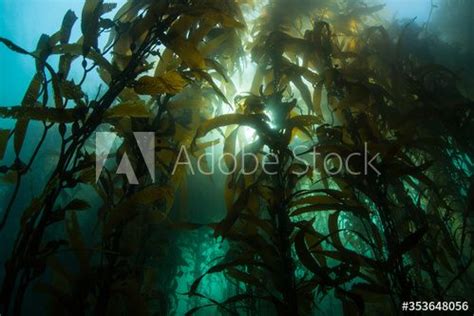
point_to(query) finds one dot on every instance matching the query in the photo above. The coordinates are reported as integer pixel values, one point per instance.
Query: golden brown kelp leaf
(216, 16)
(13, 46)
(229, 149)
(75, 50)
(317, 98)
(215, 65)
(90, 24)
(32, 92)
(302, 121)
(224, 120)
(170, 82)
(41, 54)
(167, 61)
(29, 100)
(24, 114)
(203, 75)
(129, 109)
(188, 53)
(68, 22)
(71, 91)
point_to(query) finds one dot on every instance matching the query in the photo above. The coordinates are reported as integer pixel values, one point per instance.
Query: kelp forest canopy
(279, 80)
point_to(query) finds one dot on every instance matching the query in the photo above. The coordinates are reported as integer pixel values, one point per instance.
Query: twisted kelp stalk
(369, 238)
(137, 32)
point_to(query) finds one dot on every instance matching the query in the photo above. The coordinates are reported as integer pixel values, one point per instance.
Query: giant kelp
(329, 78)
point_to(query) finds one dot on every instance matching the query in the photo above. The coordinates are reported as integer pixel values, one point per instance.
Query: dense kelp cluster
(328, 77)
